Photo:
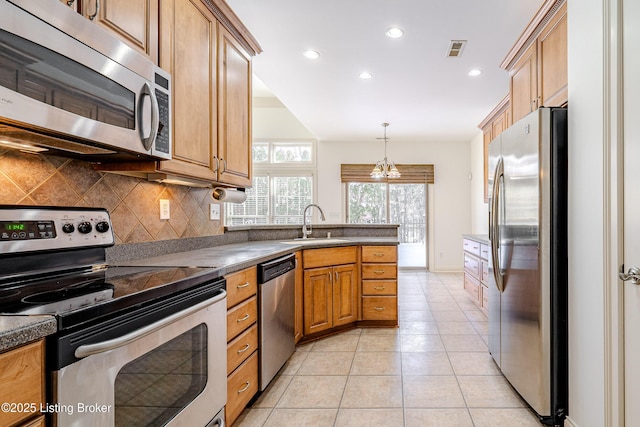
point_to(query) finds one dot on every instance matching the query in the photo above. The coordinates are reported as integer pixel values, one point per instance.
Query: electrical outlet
(165, 210)
(214, 211)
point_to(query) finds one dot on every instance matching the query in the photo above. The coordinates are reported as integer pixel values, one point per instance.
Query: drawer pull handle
(378, 271)
(242, 319)
(243, 286)
(379, 288)
(378, 308)
(246, 347)
(245, 388)
(378, 254)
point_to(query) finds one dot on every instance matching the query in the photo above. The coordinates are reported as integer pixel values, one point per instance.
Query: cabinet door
(187, 48)
(345, 295)
(318, 300)
(552, 61)
(234, 111)
(523, 84)
(135, 22)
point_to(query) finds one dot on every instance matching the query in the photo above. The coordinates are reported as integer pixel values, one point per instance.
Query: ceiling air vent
(455, 48)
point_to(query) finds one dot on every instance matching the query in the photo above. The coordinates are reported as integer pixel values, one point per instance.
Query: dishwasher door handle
(101, 347)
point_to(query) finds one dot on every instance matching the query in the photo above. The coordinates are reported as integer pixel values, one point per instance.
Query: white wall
(587, 223)
(479, 209)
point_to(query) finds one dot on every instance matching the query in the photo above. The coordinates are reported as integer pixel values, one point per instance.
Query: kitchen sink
(313, 241)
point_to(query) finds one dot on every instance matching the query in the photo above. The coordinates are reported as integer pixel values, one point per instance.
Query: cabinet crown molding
(531, 31)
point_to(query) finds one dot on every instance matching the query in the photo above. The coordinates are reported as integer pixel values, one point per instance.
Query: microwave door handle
(101, 347)
(147, 142)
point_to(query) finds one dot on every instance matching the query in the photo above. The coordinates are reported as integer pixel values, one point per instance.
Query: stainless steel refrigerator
(528, 269)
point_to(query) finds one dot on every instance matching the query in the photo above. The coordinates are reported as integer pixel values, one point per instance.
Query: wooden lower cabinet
(380, 284)
(22, 383)
(242, 385)
(476, 255)
(242, 341)
(330, 297)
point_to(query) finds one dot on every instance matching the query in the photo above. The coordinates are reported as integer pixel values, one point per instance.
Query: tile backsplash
(133, 203)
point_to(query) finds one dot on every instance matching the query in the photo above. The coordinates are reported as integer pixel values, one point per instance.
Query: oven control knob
(68, 228)
(102, 227)
(85, 227)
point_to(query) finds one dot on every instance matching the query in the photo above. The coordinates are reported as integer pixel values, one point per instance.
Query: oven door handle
(101, 347)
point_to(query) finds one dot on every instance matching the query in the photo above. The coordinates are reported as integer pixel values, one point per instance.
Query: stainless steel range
(135, 346)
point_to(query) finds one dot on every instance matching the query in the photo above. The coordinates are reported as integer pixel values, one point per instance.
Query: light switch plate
(214, 211)
(165, 210)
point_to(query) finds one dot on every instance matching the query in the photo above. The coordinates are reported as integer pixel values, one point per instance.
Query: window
(283, 184)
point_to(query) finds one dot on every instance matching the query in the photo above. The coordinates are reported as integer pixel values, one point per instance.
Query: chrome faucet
(306, 231)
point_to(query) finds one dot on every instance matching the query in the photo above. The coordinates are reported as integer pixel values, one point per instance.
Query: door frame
(613, 210)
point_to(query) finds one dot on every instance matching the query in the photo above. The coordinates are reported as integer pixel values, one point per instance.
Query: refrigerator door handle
(495, 226)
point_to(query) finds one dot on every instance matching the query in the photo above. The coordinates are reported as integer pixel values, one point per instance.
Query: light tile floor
(434, 370)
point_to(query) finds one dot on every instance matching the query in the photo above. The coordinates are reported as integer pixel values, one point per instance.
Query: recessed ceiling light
(311, 54)
(475, 72)
(394, 32)
(365, 75)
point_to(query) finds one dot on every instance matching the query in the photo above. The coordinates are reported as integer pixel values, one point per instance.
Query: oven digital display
(26, 230)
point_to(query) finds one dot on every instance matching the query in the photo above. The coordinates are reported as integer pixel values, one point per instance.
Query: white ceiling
(424, 95)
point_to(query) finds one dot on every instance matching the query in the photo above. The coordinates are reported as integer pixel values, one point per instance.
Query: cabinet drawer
(472, 285)
(485, 272)
(379, 254)
(379, 308)
(472, 265)
(379, 271)
(242, 385)
(241, 285)
(21, 380)
(484, 251)
(379, 287)
(241, 348)
(471, 246)
(312, 258)
(241, 317)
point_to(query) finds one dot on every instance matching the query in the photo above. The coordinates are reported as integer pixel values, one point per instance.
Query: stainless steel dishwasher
(276, 280)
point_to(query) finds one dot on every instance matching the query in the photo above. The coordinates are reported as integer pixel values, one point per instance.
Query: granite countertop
(16, 330)
(238, 256)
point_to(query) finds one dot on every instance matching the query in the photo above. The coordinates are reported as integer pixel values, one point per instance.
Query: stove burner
(63, 300)
(8, 293)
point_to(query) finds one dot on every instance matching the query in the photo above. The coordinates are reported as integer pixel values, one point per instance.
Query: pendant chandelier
(384, 168)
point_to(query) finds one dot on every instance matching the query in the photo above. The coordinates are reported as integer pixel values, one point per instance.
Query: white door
(631, 236)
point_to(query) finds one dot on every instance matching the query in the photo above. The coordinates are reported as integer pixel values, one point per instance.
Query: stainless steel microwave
(69, 87)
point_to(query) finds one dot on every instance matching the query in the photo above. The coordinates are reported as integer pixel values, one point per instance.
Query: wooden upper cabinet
(234, 112)
(208, 52)
(133, 21)
(188, 48)
(552, 52)
(493, 125)
(523, 84)
(537, 63)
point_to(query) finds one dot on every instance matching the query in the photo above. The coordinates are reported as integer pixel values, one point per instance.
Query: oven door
(172, 372)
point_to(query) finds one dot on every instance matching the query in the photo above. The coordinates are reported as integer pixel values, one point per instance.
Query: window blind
(411, 174)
